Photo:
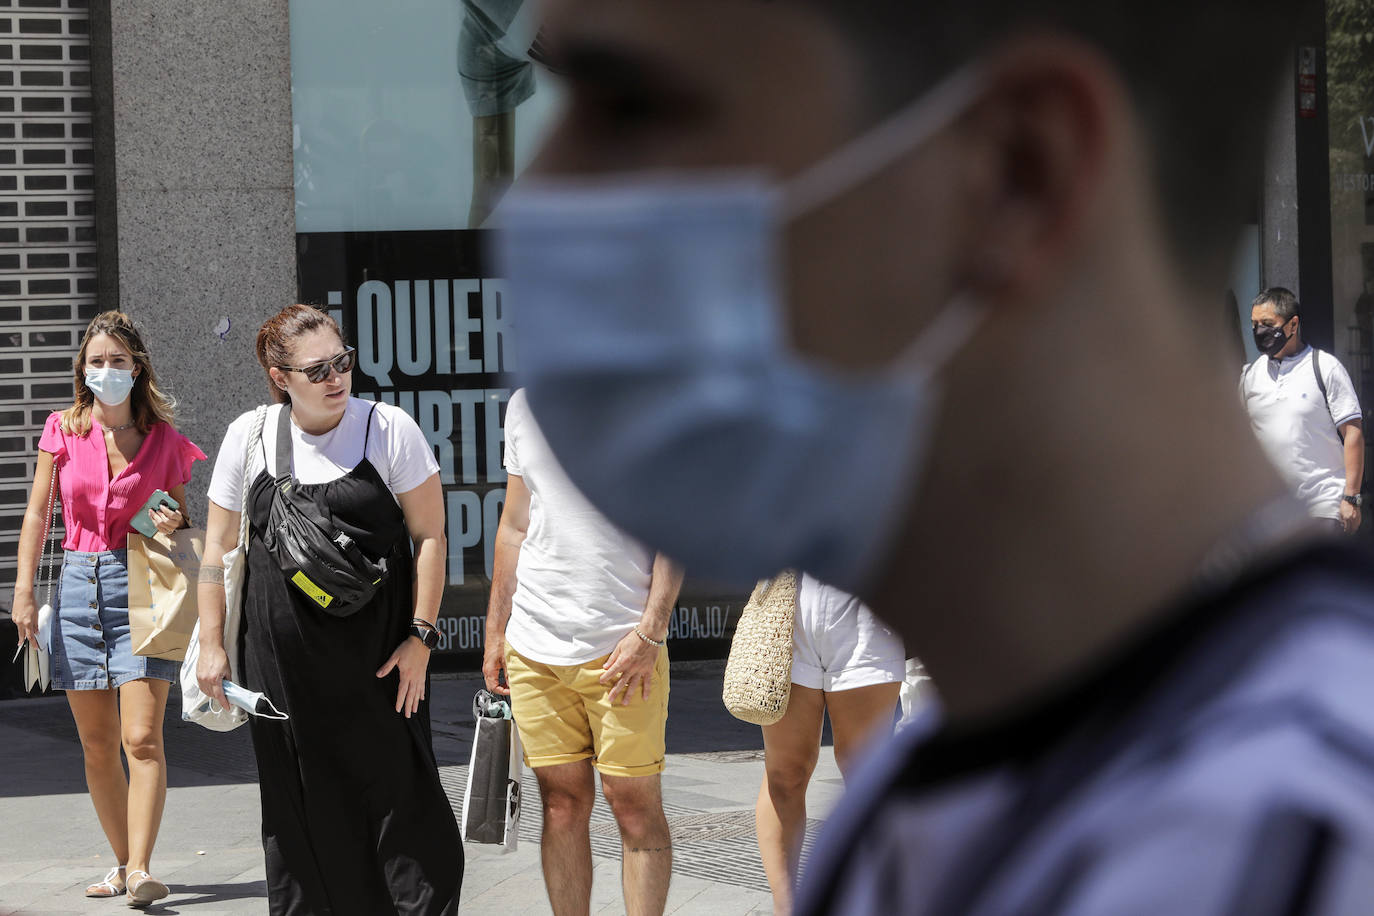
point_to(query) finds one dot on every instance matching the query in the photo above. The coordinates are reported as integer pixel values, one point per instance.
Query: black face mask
(1270, 340)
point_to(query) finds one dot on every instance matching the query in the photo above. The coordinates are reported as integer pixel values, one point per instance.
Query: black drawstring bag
(323, 563)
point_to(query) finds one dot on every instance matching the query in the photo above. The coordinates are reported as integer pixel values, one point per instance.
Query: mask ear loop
(275, 713)
(946, 334)
(856, 162)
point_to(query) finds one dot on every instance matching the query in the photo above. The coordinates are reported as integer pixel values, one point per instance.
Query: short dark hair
(1282, 299)
(1203, 75)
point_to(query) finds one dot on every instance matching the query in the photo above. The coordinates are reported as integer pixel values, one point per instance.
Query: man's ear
(1051, 117)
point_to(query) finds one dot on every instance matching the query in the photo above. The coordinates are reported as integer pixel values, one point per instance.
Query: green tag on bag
(317, 594)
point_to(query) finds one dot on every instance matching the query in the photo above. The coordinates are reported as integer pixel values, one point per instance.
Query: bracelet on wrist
(656, 643)
(422, 622)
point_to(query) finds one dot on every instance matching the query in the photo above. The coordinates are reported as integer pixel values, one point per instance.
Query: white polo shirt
(581, 583)
(1297, 428)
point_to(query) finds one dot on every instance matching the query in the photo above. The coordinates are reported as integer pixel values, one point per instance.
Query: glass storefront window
(406, 128)
(384, 120)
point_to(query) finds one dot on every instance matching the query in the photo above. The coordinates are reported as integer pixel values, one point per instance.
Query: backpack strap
(1321, 386)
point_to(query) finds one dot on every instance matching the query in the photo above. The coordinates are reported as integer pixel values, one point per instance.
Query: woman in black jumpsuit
(355, 820)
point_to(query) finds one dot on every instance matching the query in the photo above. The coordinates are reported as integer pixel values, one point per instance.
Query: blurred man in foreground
(919, 297)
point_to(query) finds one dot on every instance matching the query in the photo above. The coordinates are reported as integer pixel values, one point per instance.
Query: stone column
(194, 193)
(1279, 217)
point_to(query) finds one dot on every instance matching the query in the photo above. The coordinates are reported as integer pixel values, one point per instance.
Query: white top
(1298, 429)
(581, 583)
(396, 448)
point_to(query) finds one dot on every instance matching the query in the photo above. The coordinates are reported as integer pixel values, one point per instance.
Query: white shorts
(837, 643)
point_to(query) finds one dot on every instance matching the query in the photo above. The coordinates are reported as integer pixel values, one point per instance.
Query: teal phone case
(142, 523)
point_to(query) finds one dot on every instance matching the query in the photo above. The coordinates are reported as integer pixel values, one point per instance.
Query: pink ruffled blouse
(97, 510)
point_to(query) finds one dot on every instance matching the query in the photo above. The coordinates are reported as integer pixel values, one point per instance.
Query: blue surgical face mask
(111, 386)
(653, 349)
(251, 701)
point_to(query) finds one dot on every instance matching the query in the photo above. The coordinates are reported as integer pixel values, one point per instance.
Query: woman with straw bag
(844, 662)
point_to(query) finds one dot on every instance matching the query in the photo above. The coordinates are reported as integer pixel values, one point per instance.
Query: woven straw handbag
(758, 673)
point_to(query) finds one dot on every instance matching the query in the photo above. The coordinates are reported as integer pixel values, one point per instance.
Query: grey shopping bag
(491, 801)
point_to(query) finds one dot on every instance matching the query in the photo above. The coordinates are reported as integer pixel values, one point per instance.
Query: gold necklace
(120, 429)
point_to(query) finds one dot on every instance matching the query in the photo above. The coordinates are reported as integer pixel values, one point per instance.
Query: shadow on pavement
(697, 723)
(208, 894)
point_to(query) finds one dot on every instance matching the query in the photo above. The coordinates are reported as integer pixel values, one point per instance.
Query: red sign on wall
(1307, 82)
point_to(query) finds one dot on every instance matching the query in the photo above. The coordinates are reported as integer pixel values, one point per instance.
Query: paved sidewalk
(209, 850)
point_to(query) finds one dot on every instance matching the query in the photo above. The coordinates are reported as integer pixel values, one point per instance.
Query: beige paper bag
(162, 591)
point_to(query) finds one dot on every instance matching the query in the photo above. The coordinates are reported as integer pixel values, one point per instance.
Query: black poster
(434, 333)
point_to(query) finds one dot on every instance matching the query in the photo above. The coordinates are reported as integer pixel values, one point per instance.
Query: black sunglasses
(318, 372)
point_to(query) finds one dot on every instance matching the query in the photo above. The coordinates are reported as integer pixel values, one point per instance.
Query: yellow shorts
(563, 715)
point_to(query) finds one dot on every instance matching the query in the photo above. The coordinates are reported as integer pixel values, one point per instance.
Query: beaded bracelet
(656, 643)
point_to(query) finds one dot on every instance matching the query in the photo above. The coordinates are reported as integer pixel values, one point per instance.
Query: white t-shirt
(581, 583)
(396, 448)
(1298, 429)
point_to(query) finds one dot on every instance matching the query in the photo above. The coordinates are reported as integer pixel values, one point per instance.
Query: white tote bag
(195, 705)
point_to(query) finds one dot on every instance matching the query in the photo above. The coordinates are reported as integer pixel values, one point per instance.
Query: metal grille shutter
(47, 234)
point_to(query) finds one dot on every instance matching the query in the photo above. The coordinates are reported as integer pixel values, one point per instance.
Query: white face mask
(652, 345)
(111, 386)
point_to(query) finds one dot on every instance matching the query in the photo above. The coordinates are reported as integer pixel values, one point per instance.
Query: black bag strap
(368, 434)
(1321, 383)
(284, 451)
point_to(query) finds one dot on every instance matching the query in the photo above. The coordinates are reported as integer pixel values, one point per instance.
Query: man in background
(1305, 412)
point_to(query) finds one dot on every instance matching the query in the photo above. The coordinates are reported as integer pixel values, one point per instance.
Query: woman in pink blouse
(108, 452)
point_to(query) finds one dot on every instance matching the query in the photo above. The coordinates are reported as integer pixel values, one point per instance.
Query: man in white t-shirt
(1305, 412)
(577, 623)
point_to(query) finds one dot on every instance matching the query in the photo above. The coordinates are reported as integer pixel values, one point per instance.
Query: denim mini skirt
(92, 648)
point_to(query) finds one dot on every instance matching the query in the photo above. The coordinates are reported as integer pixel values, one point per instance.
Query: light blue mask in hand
(652, 345)
(250, 701)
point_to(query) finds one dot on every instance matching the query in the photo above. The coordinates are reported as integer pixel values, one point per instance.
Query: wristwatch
(427, 635)
(1356, 500)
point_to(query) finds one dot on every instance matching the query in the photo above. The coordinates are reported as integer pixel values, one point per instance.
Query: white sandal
(146, 891)
(105, 887)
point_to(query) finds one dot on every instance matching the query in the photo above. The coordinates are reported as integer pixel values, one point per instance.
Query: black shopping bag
(491, 802)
